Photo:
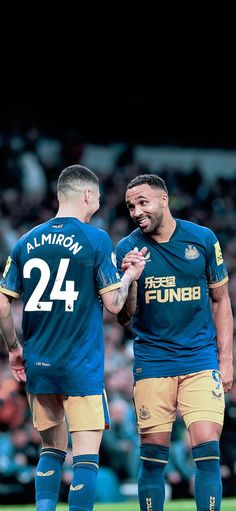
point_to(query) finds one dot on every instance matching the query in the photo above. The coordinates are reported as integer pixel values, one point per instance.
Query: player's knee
(55, 437)
(55, 444)
(54, 441)
(204, 431)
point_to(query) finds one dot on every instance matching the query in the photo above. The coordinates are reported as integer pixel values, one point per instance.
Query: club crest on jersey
(191, 252)
(144, 413)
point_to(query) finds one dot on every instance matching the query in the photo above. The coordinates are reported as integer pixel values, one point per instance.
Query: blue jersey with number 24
(61, 268)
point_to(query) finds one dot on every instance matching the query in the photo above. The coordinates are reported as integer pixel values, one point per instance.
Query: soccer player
(65, 269)
(183, 346)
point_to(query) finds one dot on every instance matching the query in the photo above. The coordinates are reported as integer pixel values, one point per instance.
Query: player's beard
(154, 222)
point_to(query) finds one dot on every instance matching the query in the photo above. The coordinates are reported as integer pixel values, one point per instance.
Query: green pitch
(177, 505)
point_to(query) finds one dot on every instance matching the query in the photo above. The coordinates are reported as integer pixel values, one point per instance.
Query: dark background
(177, 116)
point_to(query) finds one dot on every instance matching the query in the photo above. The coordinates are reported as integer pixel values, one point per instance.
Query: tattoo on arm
(129, 308)
(121, 294)
(15, 345)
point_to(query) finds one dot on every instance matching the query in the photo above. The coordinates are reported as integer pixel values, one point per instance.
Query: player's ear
(87, 195)
(165, 200)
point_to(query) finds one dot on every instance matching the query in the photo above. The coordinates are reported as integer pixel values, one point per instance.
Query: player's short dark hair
(75, 175)
(148, 179)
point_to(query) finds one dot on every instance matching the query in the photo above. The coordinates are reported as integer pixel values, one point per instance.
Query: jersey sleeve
(107, 276)
(11, 281)
(120, 254)
(216, 269)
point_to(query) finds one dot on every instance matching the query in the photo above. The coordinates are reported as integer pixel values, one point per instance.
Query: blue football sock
(208, 485)
(83, 487)
(151, 485)
(48, 478)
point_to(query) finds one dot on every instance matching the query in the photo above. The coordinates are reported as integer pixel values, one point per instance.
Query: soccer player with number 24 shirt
(65, 269)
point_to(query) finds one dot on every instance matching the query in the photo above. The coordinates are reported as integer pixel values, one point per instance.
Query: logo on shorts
(216, 395)
(144, 413)
(191, 252)
(216, 377)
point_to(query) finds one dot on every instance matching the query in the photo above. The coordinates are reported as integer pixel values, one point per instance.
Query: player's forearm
(129, 308)
(7, 324)
(223, 320)
(9, 334)
(115, 300)
(121, 294)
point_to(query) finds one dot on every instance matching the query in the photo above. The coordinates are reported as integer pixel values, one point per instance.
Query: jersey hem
(67, 393)
(179, 373)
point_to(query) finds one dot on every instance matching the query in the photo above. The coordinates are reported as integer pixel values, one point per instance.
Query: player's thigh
(155, 404)
(87, 413)
(201, 397)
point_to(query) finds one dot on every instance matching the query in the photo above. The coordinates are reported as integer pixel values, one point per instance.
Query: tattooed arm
(115, 300)
(125, 315)
(9, 335)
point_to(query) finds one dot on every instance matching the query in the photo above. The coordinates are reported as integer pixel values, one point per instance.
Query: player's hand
(226, 373)
(16, 364)
(133, 257)
(134, 262)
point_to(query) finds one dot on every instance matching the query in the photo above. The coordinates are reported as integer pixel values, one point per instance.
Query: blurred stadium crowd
(29, 166)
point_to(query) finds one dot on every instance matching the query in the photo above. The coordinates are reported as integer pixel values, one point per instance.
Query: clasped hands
(134, 262)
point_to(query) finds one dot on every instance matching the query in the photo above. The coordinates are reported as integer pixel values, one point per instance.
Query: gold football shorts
(198, 396)
(83, 413)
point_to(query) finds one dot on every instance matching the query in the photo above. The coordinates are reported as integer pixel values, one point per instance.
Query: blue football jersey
(60, 268)
(175, 333)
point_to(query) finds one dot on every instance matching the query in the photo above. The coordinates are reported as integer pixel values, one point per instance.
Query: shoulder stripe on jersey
(110, 288)
(218, 284)
(8, 292)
